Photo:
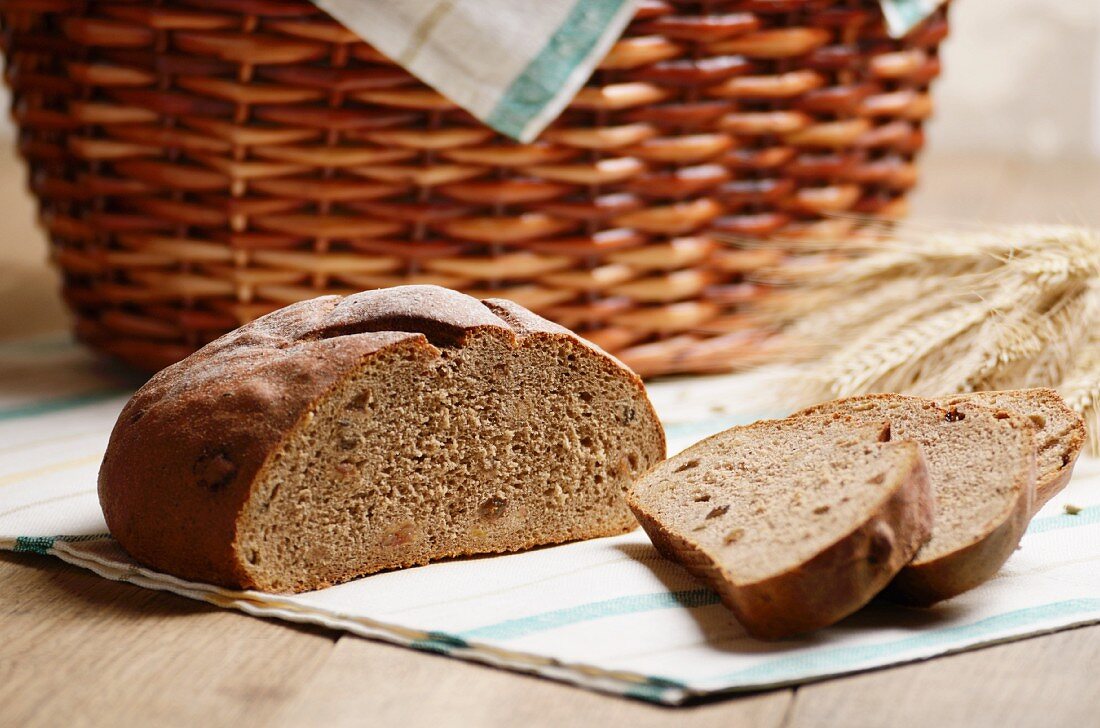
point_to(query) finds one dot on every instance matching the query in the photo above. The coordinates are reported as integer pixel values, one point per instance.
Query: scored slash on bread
(982, 465)
(795, 524)
(339, 437)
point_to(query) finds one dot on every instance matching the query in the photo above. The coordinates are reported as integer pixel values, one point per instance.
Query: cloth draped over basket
(199, 163)
(515, 66)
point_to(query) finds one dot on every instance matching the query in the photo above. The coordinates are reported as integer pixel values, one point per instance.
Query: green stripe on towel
(43, 544)
(540, 81)
(655, 690)
(34, 544)
(440, 642)
(827, 661)
(1086, 517)
(523, 626)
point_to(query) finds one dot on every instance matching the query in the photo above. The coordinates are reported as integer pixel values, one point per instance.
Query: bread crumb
(1071, 509)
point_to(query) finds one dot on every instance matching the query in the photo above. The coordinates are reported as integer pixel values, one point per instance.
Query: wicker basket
(202, 162)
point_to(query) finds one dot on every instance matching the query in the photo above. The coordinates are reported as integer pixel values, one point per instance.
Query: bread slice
(795, 523)
(342, 436)
(982, 466)
(1060, 432)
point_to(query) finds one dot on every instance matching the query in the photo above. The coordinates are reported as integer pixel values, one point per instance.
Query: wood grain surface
(78, 650)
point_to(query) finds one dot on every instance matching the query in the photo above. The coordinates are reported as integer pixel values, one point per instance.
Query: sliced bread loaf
(1060, 432)
(982, 466)
(342, 436)
(795, 523)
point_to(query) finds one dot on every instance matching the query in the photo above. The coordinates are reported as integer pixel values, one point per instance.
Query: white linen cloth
(608, 614)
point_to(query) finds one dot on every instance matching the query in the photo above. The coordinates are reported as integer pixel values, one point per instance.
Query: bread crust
(925, 582)
(835, 582)
(185, 453)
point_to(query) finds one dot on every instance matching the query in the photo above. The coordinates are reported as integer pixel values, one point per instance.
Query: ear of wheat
(937, 313)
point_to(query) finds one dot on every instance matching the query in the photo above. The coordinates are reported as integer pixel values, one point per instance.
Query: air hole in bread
(272, 495)
(719, 511)
(1038, 420)
(492, 508)
(361, 401)
(586, 397)
(1002, 415)
(704, 498)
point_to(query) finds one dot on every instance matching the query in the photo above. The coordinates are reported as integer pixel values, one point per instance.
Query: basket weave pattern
(202, 162)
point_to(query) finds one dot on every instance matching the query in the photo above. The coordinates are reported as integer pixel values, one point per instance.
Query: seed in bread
(342, 436)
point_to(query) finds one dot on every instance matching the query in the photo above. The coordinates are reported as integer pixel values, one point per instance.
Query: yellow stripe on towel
(19, 477)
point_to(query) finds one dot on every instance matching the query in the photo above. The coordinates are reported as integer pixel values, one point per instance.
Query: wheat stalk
(938, 312)
(1080, 385)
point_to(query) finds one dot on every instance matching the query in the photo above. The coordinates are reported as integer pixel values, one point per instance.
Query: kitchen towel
(608, 614)
(514, 65)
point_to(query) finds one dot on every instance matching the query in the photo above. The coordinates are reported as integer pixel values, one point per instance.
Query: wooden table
(77, 649)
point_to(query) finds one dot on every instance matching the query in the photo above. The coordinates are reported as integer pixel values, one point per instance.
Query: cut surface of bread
(981, 462)
(794, 523)
(1060, 432)
(340, 437)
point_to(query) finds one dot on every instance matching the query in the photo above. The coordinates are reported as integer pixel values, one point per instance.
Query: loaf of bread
(794, 523)
(982, 464)
(343, 436)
